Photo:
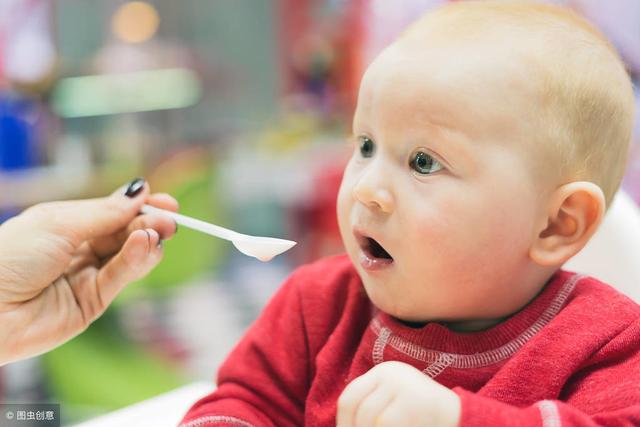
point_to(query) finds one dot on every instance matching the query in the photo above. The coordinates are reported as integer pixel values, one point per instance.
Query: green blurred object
(106, 94)
(189, 253)
(101, 371)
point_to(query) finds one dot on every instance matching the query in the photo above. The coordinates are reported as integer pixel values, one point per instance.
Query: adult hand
(62, 263)
(397, 394)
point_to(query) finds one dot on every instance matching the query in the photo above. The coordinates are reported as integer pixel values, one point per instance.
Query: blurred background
(239, 109)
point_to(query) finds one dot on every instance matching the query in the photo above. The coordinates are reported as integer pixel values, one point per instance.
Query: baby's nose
(373, 192)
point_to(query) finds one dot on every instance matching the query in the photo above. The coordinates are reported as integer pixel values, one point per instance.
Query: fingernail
(134, 188)
(159, 245)
(148, 241)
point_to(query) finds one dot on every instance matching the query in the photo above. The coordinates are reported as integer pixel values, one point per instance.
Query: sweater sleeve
(604, 393)
(264, 380)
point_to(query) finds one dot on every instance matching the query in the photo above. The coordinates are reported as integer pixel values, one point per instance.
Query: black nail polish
(135, 187)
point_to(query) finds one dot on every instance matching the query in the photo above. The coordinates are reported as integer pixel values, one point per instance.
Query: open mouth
(376, 250)
(373, 250)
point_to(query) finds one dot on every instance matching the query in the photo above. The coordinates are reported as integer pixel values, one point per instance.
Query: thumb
(80, 220)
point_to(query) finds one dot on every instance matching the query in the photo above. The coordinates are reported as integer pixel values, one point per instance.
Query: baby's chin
(396, 310)
(418, 317)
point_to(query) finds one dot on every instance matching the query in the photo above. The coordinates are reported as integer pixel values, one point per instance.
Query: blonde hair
(585, 92)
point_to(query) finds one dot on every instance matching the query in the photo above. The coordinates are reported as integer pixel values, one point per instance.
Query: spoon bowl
(262, 248)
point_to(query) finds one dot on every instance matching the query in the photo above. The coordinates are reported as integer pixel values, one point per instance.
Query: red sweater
(569, 358)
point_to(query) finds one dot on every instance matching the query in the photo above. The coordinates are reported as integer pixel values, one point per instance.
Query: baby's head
(488, 141)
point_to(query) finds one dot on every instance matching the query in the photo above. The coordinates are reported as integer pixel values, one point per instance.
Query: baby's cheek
(511, 219)
(437, 240)
(343, 209)
(448, 221)
(461, 233)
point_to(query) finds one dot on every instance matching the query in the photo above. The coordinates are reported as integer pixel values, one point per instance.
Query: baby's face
(440, 201)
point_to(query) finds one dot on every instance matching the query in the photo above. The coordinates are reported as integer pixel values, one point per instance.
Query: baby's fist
(397, 394)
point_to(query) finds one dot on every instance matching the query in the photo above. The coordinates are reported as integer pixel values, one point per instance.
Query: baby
(488, 141)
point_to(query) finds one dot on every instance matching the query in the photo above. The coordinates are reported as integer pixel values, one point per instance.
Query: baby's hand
(397, 394)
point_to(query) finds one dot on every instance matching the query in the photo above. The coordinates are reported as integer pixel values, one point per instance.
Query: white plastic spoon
(262, 248)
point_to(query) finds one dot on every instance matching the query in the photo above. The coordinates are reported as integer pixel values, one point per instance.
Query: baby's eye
(424, 163)
(366, 146)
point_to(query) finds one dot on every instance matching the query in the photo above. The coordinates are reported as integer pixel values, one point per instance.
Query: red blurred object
(321, 53)
(316, 223)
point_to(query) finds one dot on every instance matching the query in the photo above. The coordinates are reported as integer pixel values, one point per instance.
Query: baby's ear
(574, 214)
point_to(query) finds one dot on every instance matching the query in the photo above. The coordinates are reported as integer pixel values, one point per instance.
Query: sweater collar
(506, 336)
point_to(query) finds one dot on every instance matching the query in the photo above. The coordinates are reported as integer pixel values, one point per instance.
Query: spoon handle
(195, 224)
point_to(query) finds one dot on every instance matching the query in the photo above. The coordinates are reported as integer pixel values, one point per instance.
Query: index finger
(108, 245)
(80, 220)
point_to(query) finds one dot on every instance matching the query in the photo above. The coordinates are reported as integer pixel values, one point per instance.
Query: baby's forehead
(448, 61)
(513, 33)
(453, 78)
